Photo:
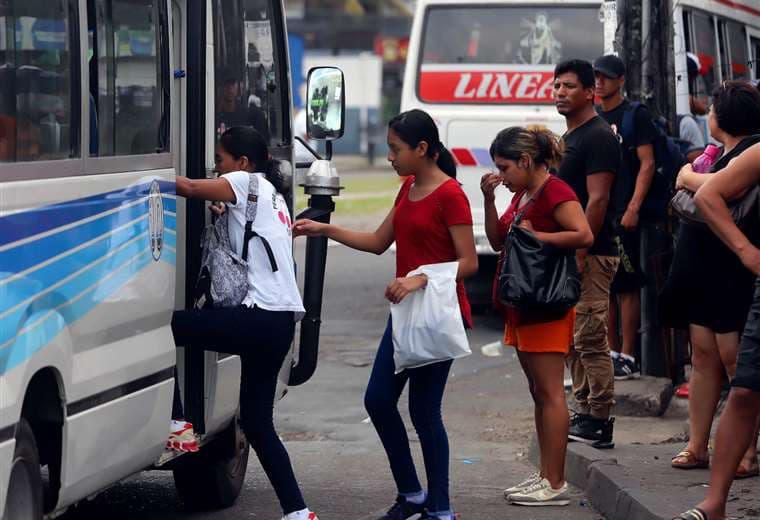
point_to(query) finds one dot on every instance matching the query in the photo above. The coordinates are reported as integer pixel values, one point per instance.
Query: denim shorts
(748, 363)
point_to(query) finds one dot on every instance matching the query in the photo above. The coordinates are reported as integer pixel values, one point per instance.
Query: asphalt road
(335, 451)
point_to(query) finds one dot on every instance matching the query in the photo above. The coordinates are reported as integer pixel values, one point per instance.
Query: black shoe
(575, 421)
(596, 432)
(625, 369)
(402, 510)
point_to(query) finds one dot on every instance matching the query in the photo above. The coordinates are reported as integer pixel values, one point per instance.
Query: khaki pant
(589, 360)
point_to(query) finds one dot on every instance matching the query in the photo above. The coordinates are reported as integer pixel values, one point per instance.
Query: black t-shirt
(644, 133)
(242, 116)
(592, 148)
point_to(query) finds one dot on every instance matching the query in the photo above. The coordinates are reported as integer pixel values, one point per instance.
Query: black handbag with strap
(536, 276)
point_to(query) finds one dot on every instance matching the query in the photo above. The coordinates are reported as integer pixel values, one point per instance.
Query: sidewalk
(635, 481)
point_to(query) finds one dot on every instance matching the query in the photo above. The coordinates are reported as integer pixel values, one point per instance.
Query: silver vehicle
(102, 104)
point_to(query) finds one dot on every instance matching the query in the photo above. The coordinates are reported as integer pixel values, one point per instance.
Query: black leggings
(262, 339)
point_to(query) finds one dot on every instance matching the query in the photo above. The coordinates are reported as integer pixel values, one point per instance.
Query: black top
(707, 284)
(592, 148)
(644, 132)
(242, 116)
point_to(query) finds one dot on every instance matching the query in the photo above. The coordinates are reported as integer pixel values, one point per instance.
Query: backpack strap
(628, 130)
(251, 208)
(249, 234)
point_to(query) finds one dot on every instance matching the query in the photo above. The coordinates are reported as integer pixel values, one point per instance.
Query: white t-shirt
(272, 291)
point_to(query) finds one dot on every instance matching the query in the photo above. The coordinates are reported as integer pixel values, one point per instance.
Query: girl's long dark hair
(415, 126)
(241, 141)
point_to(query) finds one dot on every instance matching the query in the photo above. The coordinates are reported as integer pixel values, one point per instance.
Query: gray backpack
(223, 278)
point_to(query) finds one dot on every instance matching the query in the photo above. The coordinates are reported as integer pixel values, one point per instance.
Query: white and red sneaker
(182, 438)
(301, 515)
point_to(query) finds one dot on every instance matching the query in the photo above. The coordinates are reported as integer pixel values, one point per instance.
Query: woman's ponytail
(445, 161)
(273, 174)
(549, 144)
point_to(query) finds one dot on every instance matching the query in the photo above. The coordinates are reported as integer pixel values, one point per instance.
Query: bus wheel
(213, 477)
(24, 498)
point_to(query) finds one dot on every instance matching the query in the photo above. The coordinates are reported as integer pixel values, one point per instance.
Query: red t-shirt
(541, 216)
(422, 231)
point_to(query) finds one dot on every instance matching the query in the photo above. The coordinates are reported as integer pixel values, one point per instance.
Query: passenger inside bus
(232, 111)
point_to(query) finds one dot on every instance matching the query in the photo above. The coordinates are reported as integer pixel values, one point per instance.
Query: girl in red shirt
(554, 215)
(431, 223)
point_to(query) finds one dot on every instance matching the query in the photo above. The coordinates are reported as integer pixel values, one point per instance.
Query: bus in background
(478, 68)
(103, 103)
(724, 35)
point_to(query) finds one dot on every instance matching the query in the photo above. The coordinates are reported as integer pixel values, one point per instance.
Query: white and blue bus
(102, 104)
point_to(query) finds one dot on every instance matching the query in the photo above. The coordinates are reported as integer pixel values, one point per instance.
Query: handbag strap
(519, 216)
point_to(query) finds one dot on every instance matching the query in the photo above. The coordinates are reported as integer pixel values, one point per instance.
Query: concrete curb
(606, 484)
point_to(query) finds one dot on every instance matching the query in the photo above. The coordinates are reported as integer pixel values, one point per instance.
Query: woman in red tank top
(552, 212)
(430, 223)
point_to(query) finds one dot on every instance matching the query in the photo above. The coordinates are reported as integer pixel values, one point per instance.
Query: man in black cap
(632, 185)
(690, 135)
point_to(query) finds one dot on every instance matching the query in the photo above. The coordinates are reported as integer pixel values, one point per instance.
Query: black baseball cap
(610, 66)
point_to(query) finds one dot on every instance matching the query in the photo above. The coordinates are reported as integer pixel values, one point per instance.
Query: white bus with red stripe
(479, 67)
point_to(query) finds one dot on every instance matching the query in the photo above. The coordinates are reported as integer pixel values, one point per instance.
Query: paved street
(336, 453)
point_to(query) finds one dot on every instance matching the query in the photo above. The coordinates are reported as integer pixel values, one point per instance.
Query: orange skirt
(549, 336)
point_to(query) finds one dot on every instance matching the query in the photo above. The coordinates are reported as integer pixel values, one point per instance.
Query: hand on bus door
(488, 184)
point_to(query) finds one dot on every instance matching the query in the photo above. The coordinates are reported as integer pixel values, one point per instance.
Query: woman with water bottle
(708, 290)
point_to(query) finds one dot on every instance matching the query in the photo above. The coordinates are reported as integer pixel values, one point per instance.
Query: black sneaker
(625, 369)
(596, 432)
(403, 510)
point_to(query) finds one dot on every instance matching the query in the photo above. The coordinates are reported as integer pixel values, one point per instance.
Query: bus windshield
(502, 54)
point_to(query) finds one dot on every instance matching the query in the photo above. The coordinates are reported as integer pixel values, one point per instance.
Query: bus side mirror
(325, 103)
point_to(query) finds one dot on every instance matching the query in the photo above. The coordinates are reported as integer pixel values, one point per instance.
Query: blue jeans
(262, 339)
(426, 387)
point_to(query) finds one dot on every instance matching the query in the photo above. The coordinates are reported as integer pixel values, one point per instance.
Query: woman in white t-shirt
(261, 329)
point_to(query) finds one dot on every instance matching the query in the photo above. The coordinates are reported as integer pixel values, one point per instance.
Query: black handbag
(534, 275)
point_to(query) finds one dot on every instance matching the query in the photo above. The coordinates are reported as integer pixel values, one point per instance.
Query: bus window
(755, 44)
(705, 47)
(735, 57)
(126, 78)
(248, 92)
(524, 43)
(36, 81)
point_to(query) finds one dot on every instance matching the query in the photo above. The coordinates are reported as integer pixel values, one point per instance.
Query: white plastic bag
(427, 324)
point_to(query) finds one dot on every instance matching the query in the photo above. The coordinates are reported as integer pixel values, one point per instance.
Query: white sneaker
(301, 515)
(182, 438)
(535, 477)
(541, 494)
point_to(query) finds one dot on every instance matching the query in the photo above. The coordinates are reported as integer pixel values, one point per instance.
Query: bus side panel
(87, 275)
(99, 456)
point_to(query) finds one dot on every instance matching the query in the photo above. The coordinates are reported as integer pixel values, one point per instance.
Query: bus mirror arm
(322, 184)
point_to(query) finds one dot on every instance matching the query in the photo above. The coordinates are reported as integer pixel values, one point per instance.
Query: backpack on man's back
(669, 157)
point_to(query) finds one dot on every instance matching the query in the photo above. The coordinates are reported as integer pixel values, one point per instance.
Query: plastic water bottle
(704, 162)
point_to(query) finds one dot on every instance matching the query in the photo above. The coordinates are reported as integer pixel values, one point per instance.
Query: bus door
(239, 66)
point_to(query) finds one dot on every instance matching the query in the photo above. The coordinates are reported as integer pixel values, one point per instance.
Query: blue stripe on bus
(29, 223)
(169, 204)
(67, 291)
(18, 259)
(37, 337)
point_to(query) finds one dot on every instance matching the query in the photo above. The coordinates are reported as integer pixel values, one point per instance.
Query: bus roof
(475, 3)
(746, 11)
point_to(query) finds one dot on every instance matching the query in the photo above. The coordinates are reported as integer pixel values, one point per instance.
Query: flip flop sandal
(753, 471)
(692, 514)
(691, 461)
